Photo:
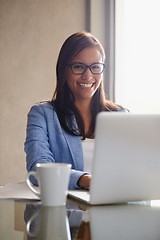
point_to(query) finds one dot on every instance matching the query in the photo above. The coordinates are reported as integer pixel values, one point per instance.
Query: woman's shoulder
(43, 107)
(47, 105)
(112, 107)
(122, 109)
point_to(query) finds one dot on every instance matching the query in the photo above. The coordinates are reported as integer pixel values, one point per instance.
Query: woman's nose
(87, 75)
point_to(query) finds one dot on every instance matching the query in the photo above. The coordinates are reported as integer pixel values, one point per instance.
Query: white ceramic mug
(53, 180)
(53, 224)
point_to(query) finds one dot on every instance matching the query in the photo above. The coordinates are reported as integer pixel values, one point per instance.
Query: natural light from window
(137, 82)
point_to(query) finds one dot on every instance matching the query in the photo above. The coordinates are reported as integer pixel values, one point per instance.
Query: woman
(57, 129)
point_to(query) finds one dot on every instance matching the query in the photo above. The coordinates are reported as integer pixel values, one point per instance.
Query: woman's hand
(84, 181)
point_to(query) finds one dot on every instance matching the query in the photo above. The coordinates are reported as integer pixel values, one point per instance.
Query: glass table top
(20, 220)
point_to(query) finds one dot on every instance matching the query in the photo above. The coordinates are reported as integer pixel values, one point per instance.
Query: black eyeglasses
(80, 68)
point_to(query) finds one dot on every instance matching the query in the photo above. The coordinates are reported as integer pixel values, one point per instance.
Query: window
(137, 55)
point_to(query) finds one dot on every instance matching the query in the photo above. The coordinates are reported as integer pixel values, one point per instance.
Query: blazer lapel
(75, 147)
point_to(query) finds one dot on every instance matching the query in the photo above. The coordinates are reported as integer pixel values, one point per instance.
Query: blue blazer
(46, 141)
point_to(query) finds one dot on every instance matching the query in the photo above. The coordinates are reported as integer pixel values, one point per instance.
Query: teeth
(86, 85)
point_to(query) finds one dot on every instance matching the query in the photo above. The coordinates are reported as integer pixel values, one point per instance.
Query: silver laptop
(126, 164)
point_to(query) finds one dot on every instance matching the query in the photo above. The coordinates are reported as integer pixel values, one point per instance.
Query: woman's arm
(45, 142)
(37, 143)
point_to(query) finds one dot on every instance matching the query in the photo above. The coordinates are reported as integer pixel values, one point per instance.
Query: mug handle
(30, 185)
(32, 234)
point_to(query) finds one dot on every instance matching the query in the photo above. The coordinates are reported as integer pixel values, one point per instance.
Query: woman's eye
(78, 67)
(95, 67)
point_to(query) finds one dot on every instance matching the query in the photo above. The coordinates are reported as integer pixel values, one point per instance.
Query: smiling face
(84, 86)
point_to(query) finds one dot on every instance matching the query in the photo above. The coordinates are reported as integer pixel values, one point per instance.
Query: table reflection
(114, 222)
(50, 222)
(79, 222)
(29, 212)
(47, 223)
(125, 222)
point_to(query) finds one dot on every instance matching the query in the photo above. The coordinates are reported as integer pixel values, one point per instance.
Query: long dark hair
(63, 98)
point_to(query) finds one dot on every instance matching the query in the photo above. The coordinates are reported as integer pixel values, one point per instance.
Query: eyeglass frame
(87, 66)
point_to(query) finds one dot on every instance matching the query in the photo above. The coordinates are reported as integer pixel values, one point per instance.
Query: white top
(88, 150)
